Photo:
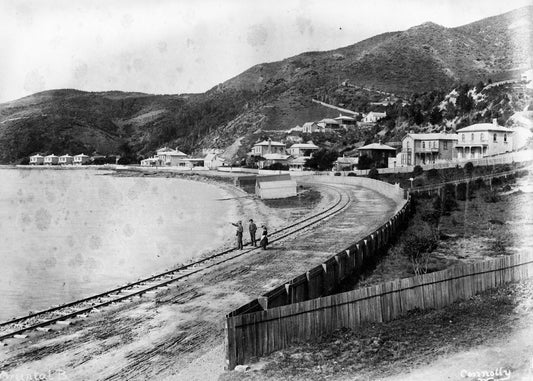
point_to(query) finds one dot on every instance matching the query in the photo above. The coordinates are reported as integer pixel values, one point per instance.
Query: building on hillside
(171, 158)
(302, 149)
(66, 159)
(298, 163)
(80, 159)
(420, 149)
(296, 129)
(346, 163)
(51, 159)
(373, 117)
(36, 160)
(483, 139)
(150, 162)
(346, 121)
(268, 147)
(213, 161)
(190, 164)
(329, 124)
(310, 127)
(378, 152)
(275, 186)
(274, 158)
(527, 76)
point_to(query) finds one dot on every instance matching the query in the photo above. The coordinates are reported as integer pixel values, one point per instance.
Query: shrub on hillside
(491, 196)
(418, 245)
(337, 174)
(418, 182)
(417, 170)
(25, 161)
(432, 174)
(469, 168)
(373, 174)
(352, 174)
(278, 167)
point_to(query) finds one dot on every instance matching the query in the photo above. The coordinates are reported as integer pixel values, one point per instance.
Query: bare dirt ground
(179, 334)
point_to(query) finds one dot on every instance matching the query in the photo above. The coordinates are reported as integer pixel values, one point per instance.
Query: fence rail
(260, 333)
(248, 338)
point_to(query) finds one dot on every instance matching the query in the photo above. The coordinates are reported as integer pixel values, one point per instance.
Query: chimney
(495, 122)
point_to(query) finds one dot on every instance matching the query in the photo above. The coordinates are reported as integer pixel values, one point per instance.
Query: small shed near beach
(275, 186)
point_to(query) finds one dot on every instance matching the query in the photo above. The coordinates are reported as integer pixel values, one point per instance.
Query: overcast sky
(178, 46)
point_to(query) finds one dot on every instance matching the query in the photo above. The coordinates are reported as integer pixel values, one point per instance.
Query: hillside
(269, 96)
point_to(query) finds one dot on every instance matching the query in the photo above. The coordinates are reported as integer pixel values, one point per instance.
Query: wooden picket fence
(250, 335)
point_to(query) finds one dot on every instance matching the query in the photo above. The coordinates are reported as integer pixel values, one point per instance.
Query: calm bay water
(67, 234)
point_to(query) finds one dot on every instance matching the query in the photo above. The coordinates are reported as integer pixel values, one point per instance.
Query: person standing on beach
(253, 228)
(240, 230)
(264, 238)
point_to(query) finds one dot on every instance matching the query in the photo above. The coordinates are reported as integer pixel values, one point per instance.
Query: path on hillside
(180, 333)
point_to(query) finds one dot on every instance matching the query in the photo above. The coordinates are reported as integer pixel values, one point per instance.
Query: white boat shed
(275, 186)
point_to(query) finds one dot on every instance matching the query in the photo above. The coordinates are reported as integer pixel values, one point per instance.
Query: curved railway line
(67, 313)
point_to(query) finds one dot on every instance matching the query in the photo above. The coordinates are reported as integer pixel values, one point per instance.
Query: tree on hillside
(322, 160)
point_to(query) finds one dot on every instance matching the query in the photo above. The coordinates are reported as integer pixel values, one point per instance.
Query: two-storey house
(483, 139)
(420, 149)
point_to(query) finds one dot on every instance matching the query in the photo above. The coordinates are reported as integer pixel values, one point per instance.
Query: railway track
(66, 314)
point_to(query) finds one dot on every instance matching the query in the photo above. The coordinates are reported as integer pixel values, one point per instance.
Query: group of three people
(252, 228)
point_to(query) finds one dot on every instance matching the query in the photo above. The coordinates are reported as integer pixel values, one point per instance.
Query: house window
(472, 137)
(463, 137)
(423, 144)
(482, 136)
(445, 145)
(494, 138)
(505, 138)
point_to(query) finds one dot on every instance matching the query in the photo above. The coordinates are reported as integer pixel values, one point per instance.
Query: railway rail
(63, 315)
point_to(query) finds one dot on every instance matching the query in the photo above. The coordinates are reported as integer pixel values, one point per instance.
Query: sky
(183, 46)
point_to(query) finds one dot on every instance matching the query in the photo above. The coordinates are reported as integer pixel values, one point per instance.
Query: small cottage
(66, 159)
(81, 159)
(36, 160)
(51, 159)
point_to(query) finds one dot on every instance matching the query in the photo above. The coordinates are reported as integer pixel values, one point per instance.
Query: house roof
(37, 155)
(269, 178)
(267, 143)
(329, 121)
(377, 113)
(52, 155)
(81, 155)
(304, 146)
(212, 156)
(276, 184)
(307, 124)
(347, 160)
(174, 153)
(433, 136)
(66, 155)
(377, 146)
(484, 127)
(344, 117)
